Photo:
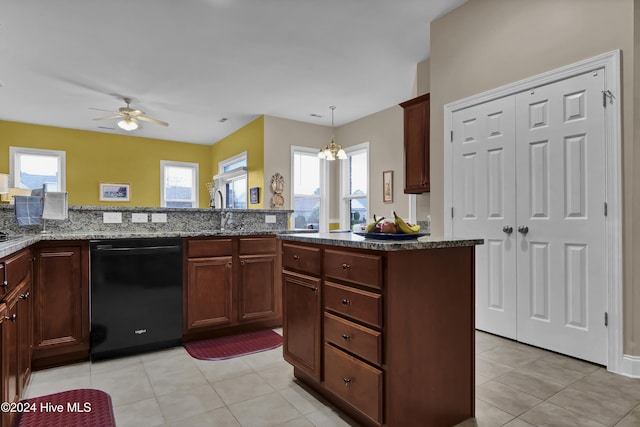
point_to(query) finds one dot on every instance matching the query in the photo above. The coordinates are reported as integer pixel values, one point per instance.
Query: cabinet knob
(346, 302)
(13, 317)
(5, 284)
(24, 296)
(296, 257)
(346, 381)
(346, 266)
(345, 337)
(241, 262)
(314, 289)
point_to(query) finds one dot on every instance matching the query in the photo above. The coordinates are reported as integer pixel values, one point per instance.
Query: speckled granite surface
(351, 240)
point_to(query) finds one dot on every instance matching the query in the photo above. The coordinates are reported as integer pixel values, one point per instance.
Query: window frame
(345, 193)
(14, 164)
(323, 221)
(195, 178)
(224, 178)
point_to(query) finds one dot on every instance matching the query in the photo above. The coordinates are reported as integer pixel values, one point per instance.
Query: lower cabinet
(232, 284)
(61, 301)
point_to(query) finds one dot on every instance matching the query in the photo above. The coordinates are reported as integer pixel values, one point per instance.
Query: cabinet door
(301, 326)
(209, 295)
(25, 333)
(10, 352)
(61, 302)
(416, 145)
(259, 297)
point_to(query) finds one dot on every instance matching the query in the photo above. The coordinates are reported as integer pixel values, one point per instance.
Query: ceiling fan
(130, 117)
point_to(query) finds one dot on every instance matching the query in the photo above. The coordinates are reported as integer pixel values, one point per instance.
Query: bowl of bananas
(391, 229)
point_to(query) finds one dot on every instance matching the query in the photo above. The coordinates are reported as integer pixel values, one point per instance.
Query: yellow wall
(250, 138)
(94, 157)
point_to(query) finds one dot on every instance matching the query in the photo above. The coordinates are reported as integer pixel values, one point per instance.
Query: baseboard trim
(631, 366)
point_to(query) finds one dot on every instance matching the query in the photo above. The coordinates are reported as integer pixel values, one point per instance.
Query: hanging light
(332, 150)
(128, 124)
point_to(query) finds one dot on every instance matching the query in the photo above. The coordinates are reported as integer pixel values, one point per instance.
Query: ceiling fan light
(128, 125)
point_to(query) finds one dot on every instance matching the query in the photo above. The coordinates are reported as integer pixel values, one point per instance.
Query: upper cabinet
(416, 145)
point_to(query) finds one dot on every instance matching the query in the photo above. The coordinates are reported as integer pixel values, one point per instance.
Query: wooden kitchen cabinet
(396, 343)
(61, 303)
(416, 145)
(232, 285)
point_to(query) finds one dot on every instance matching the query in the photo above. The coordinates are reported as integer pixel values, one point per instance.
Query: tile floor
(516, 386)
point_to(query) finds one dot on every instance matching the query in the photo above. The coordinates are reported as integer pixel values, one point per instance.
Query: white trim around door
(616, 362)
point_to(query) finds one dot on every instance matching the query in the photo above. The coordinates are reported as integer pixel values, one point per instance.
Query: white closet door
(484, 206)
(562, 291)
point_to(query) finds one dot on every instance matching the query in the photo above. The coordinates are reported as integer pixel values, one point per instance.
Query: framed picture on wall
(254, 195)
(115, 192)
(387, 186)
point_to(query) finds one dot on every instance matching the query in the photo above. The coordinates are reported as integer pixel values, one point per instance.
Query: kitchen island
(383, 329)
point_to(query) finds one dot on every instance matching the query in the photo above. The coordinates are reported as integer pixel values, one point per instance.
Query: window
(306, 184)
(34, 168)
(232, 181)
(178, 184)
(354, 183)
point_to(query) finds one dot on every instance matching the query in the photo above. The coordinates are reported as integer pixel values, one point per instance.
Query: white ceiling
(194, 62)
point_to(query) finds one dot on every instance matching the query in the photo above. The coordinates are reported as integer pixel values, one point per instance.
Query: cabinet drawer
(301, 258)
(353, 267)
(257, 245)
(17, 268)
(357, 339)
(355, 303)
(199, 248)
(356, 382)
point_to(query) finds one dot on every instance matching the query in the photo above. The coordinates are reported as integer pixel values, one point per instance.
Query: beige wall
(485, 44)
(279, 136)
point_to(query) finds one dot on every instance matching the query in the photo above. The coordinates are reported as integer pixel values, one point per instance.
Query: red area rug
(75, 408)
(234, 346)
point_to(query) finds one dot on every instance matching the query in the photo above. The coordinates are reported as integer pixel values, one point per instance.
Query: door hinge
(605, 209)
(451, 136)
(607, 94)
(451, 211)
(606, 319)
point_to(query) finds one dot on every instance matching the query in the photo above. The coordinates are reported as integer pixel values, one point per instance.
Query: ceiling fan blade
(100, 109)
(117, 116)
(150, 120)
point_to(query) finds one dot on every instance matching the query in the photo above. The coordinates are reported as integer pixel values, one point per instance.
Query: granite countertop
(15, 243)
(352, 240)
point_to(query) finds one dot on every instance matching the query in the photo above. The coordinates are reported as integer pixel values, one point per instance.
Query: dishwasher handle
(107, 250)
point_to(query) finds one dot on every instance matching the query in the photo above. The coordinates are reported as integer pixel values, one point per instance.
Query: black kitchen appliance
(136, 295)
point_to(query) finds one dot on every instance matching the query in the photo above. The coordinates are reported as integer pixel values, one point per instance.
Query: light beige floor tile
(242, 388)
(329, 417)
(531, 384)
(517, 422)
(215, 370)
(170, 361)
(163, 354)
(547, 414)
(38, 388)
(264, 411)
(63, 373)
(221, 417)
(481, 379)
(506, 398)
(190, 402)
(298, 422)
(552, 372)
(125, 385)
(589, 406)
(303, 399)
(631, 420)
(614, 388)
(176, 380)
(265, 359)
(490, 369)
(145, 412)
(114, 365)
(512, 355)
(487, 415)
(279, 377)
(571, 363)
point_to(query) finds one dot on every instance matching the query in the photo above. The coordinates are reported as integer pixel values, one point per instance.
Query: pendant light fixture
(332, 150)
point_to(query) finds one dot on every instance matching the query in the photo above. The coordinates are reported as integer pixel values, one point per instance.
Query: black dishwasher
(136, 295)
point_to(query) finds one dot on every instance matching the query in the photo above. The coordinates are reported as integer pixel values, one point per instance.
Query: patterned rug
(234, 346)
(73, 408)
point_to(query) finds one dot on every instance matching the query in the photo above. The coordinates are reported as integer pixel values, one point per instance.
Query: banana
(371, 226)
(404, 227)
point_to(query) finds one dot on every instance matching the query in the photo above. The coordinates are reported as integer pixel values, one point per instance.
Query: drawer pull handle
(345, 337)
(346, 381)
(346, 266)
(24, 296)
(13, 317)
(296, 257)
(346, 302)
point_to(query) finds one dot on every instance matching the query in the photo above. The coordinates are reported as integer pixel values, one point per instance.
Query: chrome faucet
(218, 192)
